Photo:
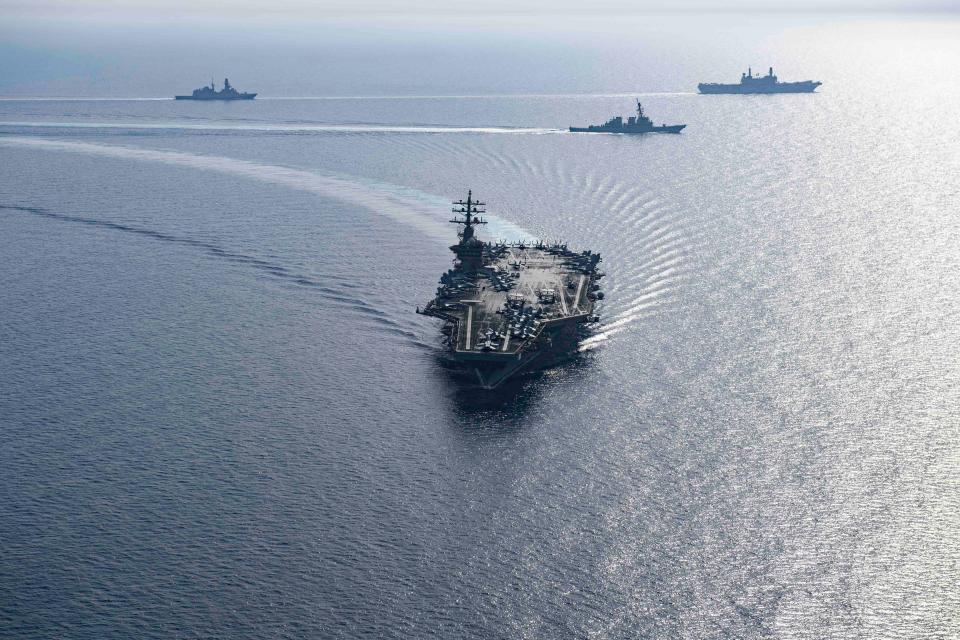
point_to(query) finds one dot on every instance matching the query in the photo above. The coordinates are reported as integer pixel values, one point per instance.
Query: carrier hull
(782, 87)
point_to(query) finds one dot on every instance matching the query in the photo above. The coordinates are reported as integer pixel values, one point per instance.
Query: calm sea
(221, 417)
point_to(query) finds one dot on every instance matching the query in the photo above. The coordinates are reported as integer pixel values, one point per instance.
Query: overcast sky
(320, 9)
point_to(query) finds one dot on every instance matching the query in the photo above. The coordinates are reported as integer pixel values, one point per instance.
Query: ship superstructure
(639, 123)
(769, 83)
(211, 93)
(510, 308)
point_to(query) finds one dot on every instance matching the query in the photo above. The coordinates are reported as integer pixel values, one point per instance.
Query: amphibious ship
(211, 93)
(511, 308)
(769, 83)
(639, 123)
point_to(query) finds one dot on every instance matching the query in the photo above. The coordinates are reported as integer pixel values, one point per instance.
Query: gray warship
(211, 93)
(769, 83)
(639, 123)
(511, 308)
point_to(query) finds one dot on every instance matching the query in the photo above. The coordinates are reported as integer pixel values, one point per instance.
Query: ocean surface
(221, 417)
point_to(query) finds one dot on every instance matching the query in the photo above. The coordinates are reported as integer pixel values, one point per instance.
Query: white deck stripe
(469, 326)
(576, 299)
(563, 301)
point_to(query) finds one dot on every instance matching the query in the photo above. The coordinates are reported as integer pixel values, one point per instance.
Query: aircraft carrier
(769, 83)
(510, 308)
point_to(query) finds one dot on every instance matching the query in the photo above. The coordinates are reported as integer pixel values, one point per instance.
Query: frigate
(211, 93)
(639, 123)
(512, 308)
(769, 83)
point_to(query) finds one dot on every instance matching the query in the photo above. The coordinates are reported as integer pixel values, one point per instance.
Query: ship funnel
(771, 70)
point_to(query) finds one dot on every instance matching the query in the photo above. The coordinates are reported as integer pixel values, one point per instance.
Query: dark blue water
(222, 418)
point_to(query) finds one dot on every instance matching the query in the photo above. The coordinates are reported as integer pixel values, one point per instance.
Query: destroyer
(769, 83)
(639, 123)
(512, 308)
(211, 93)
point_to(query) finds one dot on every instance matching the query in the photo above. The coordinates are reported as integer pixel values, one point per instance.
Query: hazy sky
(313, 9)
(156, 48)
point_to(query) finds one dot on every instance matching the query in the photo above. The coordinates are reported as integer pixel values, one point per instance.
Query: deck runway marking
(469, 325)
(576, 299)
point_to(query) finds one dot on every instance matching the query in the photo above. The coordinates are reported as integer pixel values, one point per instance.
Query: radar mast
(470, 209)
(469, 250)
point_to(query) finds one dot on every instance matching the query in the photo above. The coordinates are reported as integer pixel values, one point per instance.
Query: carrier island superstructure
(511, 308)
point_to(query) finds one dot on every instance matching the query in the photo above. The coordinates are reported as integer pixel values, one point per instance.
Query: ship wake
(286, 128)
(408, 206)
(334, 294)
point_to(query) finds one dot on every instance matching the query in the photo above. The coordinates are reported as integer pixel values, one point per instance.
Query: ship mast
(470, 210)
(469, 250)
